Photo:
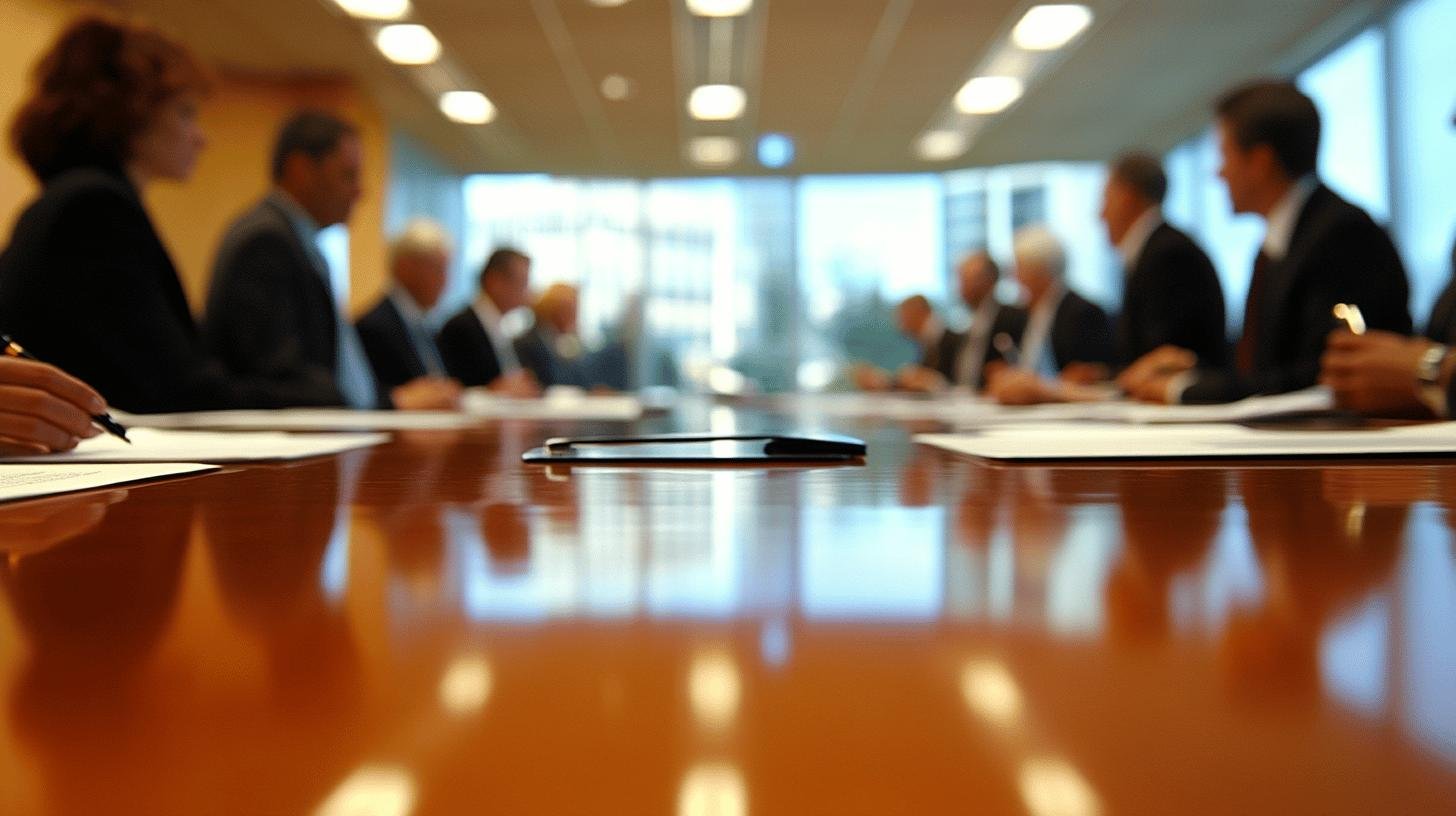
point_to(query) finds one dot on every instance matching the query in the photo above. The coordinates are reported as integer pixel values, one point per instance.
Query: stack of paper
(1193, 441)
(556, 406)
(157, 445)
(307, 419)
(30, 481)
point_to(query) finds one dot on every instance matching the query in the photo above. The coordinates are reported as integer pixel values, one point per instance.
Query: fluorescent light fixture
(775, 150)
(988, 94)
(407, 44)
(467, 107)
(616, 87)
(375, 9)
(717, 103)
(1047, 28)
(607, 3)
(719, 8)
(941, 145)
(713, 151)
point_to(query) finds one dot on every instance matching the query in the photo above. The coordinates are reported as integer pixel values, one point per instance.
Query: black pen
(104, 421)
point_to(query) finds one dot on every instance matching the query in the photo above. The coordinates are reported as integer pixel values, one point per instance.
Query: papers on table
(307, 419)
(1193, 441)
(562, 405)
(159, 445)
(31, 481)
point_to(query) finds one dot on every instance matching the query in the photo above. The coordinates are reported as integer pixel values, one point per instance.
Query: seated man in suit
(1171, 294)
(1319, 250)
(1063, 329)
(396, 337)
(474, 347)
(939, 347)
(551, 349)
(977, 276)
(271, 312)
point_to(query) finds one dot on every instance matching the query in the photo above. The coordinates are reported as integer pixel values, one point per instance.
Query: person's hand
(869, 378)
(1153, 389)
(920, 379)
(1156, 369)
(1017, 387)
(44, 409)
(1376, 373)
(520, 383)
(1084, 373)
(427, 394)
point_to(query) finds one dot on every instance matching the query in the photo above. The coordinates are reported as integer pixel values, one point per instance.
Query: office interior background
(759, 263)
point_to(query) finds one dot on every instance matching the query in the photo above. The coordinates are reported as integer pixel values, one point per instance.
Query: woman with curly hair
(86, 283)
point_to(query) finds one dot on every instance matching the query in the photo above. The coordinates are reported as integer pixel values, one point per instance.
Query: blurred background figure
(977, 277)
(917, 321)
(396, 333)
(474, 346)
(552, 350)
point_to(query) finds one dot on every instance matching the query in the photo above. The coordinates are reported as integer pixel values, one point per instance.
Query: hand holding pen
(43, 409)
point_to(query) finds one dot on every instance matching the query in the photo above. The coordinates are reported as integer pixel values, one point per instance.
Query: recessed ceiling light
(616, 87)
(775, 150)
(607, 3)
(467, 107)
(713, 151)
(375, 9)
(716, 103)
(1047, 28)
(408, 44)
(988, 94)
(719, 8)
(941, 145)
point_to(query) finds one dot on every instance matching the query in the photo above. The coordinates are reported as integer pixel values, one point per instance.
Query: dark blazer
(1081, 332)
(387, 343)
(87, 285)
(1172, 296)
(1441, 328)
(536, 354)
(942, 355)
(1010, 321)
(466, 350)
(269, 313)
(1337, 254)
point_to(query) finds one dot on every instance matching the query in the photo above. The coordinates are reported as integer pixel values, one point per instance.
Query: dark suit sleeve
(1010, 321)
(1083, 334)
(1179, 302)
(128, 338)
(536, 357)
(466, 352)
(1353, 261)
(387, 345)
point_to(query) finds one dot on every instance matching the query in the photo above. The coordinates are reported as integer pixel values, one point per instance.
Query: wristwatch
(1428, 374)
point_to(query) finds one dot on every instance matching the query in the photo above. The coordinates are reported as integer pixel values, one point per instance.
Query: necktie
(425, 348)
(1249, 341)
(351, 367)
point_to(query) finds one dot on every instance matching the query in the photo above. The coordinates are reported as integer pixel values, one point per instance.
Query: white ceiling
(854, 82)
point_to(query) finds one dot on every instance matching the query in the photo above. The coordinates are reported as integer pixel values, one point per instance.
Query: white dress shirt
(490, 318)
(1281, 221)
(973, 352)
(1036, 345)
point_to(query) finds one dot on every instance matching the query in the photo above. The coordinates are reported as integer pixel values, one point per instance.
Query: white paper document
(35, 480)
(482, 404)
(1071, 441)
(981, 415)
(307, 419)
(159, 445)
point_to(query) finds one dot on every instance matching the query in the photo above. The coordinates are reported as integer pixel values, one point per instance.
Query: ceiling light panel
(375, 9)
(941, 145)
(467, 107)
(407, 44)
(1049, 27)
(719, 8)
(988, 94)
(717, 103)
(713, 151)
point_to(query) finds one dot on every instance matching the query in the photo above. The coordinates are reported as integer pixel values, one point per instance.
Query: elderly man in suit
(271, 311)
(396, 333)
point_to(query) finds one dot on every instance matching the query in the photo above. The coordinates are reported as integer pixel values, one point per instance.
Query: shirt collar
(303, 223)
(486, 310)
(1136, 240)
(1282, 220)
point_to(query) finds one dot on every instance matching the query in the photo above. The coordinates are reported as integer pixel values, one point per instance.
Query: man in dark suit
(977, 277)
(396, 336)
(1319, 250)
(475, 348)
(1171, 294)
(271, 312)
(939, 349)
(1062, 327)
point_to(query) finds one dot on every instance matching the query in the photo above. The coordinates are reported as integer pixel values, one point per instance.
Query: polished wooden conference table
(432, 627)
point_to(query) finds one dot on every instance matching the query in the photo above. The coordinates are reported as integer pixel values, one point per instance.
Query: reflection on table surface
(431, 627)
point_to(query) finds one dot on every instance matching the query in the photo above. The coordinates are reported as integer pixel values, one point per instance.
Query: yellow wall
(240, 118)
